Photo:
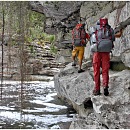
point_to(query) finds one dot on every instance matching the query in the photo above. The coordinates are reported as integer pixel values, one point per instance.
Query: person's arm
(87, 36)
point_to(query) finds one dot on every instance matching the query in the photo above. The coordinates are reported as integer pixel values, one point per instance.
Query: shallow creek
(38, 107)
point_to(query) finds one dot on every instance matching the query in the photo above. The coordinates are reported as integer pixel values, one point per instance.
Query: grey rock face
(75, 87)
(112, 111)
(58, 14)
(118, 17)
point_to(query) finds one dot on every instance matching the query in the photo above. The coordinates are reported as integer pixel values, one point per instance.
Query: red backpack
(79, 35)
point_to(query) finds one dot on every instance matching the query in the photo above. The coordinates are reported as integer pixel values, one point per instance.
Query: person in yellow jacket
(79, 36)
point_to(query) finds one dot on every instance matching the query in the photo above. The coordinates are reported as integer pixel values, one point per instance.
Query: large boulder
(114, 110)
(74, 86)
(111, 111)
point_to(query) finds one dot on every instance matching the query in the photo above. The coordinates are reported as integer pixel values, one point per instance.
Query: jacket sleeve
(87, 36)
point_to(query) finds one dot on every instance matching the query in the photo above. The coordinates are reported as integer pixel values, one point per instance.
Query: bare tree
(3, 28)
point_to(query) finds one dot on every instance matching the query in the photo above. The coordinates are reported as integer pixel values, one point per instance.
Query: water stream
(38, 107)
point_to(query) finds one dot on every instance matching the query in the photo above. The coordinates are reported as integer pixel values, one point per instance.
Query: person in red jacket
(79, 44)
(101, 58)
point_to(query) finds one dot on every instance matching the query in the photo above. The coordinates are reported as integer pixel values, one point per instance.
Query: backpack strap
(110, 34)
(83, 36)
(96, 36)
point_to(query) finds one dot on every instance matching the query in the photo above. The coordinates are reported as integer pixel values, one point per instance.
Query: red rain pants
(101, 59)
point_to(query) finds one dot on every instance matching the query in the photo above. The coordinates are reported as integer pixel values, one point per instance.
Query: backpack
(93, 41)
(104, 36)
(79, 35)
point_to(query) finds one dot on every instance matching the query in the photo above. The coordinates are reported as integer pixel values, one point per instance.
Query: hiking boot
(80, 71)
(106, 93)
(73, 64)
(96, 92)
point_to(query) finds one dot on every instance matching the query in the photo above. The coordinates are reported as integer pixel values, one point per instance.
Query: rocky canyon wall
(61, 17)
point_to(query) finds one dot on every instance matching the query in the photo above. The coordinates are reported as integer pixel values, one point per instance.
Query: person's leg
(80, 58)
(74, 52)
(96, 69)
(105, 71)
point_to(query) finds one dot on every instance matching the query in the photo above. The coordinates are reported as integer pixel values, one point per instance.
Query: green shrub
(53, 49)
